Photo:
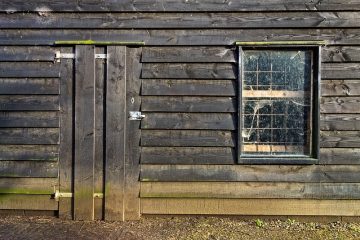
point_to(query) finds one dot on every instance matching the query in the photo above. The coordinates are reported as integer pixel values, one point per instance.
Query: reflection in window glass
(276, 102)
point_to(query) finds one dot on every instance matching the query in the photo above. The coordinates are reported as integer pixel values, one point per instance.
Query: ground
(209, 228)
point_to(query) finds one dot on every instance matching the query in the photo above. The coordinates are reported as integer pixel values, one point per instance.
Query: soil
(177, 228)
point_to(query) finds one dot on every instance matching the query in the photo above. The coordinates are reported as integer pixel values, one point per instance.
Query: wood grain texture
(34, 186)
(188, 155)
(339, 105)
(31, 136)
(336, 122)
(211, 121)
(194, 37)
(99, 147)
(340, 54)
(28, 202)
(188, 71)
(181, 20)
(37, 169)
(19, 53)
(192, 138)
(29, 86)
(340, 88)
(132, 135)
(340, 139)
(173, 5)
(29, 103)
(29, 69)
(188, 104)
(350, 156)
(29, 119)
(188, 87)
(231, 190)
(84, 132)
(66, 154)
(340, 71)
(115, 133)
(250, 206)
(29, 152)
(188, 54)
(249, 173)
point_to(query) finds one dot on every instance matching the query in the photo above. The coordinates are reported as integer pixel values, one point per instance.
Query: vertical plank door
(84, 132)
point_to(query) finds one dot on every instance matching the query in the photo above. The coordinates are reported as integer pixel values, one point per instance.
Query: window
(278, 104)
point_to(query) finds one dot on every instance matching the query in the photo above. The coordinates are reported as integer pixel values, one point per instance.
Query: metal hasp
(135, 116)
(58, 195)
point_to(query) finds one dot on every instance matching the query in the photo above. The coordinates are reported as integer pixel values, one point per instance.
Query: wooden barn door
(105, 166)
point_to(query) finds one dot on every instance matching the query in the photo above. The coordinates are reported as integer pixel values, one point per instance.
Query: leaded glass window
(276, 103)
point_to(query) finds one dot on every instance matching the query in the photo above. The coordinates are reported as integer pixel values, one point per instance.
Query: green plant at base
(259, 223)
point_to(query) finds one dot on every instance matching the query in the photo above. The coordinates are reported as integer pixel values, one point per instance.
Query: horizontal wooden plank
(28, 169)
(209, 121)
(340, 105)
(340, 139)
(181, 20)
(266, 207)
(189, 71)
(29, 69)
(29, 103)
(340, 54)
(29, 86)
(195, 37)
(34, 186)
(340, 88)
(339, 156)
(250, 190)
(332, 122)
(178, 138)
(173, 6)
(188, 54)
(172, 87)
(188, 104)
(28, 202)
(188, 155)
(19, 53)
(249, 173)
(29, 136)
(340, 71)
(29, 119)
(29, 152)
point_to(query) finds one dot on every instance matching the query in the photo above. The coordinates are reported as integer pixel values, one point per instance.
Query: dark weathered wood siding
(187, 92)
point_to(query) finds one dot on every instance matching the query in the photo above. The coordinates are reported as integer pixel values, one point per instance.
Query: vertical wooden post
(84, 132)
(100, 69)
(115, 132)
(132, 157)
(66, 134)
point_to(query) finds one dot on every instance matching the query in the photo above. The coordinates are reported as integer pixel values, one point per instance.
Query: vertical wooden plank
(99, 133)
(132, 157)
(84, 132)
(66, 134)
(115, 132)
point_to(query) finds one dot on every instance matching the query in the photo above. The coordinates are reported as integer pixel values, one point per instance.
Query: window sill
(280, 160)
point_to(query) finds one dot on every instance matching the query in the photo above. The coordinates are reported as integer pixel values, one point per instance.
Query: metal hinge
(59, 56)
(134, 115)
(58, 195)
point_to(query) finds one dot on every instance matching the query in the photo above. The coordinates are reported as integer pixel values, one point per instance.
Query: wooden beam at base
(250, 207)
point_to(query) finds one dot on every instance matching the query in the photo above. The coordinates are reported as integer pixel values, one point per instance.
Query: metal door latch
(133, 115)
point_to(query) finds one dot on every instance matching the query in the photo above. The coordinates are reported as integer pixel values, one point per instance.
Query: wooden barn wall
(189, 97)
(29, 127)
